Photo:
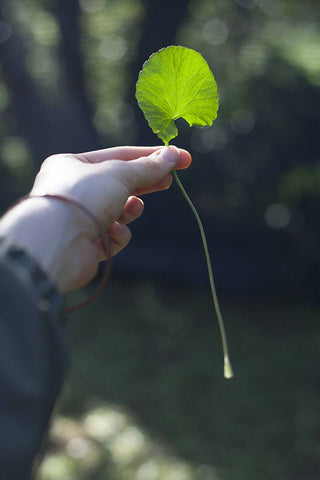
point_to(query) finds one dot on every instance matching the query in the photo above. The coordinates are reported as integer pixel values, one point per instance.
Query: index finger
(127, 153)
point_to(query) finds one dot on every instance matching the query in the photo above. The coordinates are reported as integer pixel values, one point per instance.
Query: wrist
(46, 230)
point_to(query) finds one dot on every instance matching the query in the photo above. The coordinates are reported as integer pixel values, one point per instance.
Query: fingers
(120, 153)
(184, 159)
(133, 209)
(151, 171)
(154, 171)
(143, 174)
(162, 185)
(119, 236)
(131, 153)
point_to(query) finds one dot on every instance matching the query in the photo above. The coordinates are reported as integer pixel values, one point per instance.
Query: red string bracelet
(104, 244)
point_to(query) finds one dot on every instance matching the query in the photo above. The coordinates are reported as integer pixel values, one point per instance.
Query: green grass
(151, 357)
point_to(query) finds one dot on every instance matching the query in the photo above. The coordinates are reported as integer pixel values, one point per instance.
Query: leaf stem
(228, 373)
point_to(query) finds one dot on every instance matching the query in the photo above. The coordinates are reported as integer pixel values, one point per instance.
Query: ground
(145, 397)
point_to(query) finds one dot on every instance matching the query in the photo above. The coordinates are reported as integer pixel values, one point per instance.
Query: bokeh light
(272, 7)
(128, 444)
(207, 140)
(77, 447)
(253, 58)
(43, 66)
(242, 121)
(45, 29)
(15, 154)
(92, 6)
(215, 32)
(103, 423)
(113, 47)
(277, 215)
(149, 470)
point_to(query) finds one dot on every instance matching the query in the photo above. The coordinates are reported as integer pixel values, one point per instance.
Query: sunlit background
(145, 398)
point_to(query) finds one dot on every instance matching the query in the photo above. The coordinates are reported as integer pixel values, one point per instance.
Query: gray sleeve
(32, 358)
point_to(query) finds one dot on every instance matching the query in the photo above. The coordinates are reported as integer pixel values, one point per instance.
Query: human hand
(106, 181)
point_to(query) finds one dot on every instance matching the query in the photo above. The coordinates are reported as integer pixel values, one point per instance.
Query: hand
(64, 239)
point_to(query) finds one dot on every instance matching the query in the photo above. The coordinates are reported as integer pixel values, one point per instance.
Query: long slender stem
(228, 373)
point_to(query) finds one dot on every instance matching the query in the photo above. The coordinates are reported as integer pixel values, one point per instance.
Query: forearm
(32, 358)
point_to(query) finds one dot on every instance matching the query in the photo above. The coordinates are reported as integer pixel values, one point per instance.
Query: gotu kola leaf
(176, 82)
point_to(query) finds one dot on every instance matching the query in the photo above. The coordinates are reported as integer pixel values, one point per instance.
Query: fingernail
(170, 154)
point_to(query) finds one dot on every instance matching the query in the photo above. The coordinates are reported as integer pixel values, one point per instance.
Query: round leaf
(176, 82)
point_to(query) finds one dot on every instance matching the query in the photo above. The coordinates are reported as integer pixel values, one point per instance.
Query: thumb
(151, 170)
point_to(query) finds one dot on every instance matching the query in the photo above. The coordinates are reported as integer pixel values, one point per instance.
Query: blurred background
(145, 398)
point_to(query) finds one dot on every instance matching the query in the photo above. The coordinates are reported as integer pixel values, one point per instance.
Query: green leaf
(176, 82)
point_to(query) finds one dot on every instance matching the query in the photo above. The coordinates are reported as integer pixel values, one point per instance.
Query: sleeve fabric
(33, 358)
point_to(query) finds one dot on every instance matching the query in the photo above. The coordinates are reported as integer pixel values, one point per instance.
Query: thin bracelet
(105, 246)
